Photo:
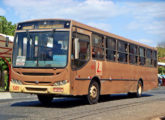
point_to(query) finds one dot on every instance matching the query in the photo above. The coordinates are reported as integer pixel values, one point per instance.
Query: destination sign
(57, 24)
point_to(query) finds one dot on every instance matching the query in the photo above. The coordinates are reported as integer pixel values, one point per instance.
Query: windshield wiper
(53, 31)
(28, 35)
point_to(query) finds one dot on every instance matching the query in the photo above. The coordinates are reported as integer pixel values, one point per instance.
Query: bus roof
(75, 23)
(96, 30)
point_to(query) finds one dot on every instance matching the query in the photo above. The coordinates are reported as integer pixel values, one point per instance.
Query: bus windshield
(41, 49)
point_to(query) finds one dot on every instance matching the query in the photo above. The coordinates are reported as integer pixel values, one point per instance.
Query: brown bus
(54, 57)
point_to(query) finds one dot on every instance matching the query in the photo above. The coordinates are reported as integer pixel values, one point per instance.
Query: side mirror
(77, 48)
(7, 41)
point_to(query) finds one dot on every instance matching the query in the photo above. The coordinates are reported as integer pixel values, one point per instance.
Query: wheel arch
(96, 79)
(141, 80)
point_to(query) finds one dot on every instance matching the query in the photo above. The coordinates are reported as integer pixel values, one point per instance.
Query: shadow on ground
(69, 102)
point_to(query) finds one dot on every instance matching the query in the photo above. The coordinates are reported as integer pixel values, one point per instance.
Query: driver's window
(83, 50)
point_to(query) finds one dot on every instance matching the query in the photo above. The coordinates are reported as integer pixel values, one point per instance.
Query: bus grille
(38, 74)
(36, 89)
(38, 82)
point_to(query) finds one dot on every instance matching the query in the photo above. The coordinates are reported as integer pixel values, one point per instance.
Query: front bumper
(34, 89)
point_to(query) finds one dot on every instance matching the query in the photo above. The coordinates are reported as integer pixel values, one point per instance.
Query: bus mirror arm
(77, 48)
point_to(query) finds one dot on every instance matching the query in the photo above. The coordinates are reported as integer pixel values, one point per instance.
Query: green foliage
(161, 54)
(4, 67)
(3, 64)
(6, 27)
(161, 70)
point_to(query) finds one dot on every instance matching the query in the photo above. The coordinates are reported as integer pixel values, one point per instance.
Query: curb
(5, 95)
(8, 95)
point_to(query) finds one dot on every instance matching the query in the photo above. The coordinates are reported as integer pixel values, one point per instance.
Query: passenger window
(148, 57)
(97, 46)
(142, 56)
(154, 58)
(133, 56)
(110, 49)
(122, 51)
(83, 52)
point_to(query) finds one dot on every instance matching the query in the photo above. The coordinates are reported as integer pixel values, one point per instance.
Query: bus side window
(133, 56)
(154, 58)
(97, 46)
(122, 51)
(142, 56)
(110, 49)
(84, 50)
(148, 57)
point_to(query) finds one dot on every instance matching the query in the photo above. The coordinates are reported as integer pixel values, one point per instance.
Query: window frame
(121, 52)
(135, 55)
(154, 58)
(149, 58)
(109, 49)
(98, 47)
(144, 57)
(78, 68)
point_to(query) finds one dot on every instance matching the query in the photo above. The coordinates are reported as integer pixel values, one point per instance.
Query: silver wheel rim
(93, 92)
(139, 89)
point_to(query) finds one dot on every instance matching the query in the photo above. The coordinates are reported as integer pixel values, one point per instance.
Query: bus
(6, 45)
(62, 57)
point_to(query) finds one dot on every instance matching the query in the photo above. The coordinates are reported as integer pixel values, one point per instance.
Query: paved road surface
(114, 107)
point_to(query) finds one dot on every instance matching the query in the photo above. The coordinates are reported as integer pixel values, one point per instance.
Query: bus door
(80, 60)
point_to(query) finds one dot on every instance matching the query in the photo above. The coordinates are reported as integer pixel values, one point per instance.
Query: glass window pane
(122, 46)
(41, 49)
(122, 57)
(142, 60)
(141, 52)
(98, 46)
(110, 55)
(84, 50)
(111, 44)
(133, 49)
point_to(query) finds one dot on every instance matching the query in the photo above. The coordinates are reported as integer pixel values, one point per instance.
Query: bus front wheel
(93, 93)
(45, 99)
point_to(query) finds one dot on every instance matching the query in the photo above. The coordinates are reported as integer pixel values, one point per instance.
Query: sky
(139, 20)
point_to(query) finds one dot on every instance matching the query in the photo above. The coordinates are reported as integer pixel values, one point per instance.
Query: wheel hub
(140, 89)
(93, 92)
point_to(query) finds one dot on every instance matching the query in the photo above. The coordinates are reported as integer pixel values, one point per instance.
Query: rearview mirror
(77, 48)
(7, 41)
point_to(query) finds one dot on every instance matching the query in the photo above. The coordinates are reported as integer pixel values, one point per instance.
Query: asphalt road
(115, 107)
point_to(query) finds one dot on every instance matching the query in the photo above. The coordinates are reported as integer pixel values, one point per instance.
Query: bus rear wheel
(138, 92)
(139, 89)
(93, 93)
(45, 99)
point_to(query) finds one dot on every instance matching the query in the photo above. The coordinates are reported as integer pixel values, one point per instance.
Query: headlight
(16, 81)
(63, 82)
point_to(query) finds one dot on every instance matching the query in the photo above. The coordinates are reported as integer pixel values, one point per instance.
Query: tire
(45, 99)
(138, 92)
(139, 89)
(93, 93)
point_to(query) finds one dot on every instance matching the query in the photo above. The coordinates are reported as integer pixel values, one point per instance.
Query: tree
(161, 55)
(6, 27)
